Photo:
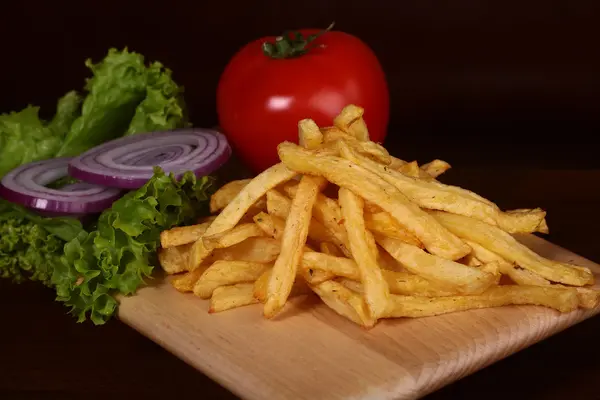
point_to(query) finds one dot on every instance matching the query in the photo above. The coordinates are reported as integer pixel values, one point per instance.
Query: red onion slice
(26, 185)
(128, 162)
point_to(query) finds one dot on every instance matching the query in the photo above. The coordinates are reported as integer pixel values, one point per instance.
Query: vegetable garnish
(26, 185)
(83, 239)
(118, 256)
(128, 162)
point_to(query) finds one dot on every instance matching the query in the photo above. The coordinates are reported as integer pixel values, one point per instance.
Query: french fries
(292, 245)
(376, 288)
(370, 235)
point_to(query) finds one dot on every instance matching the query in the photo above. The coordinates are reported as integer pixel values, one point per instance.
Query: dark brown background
(506, 87)
(498, 78)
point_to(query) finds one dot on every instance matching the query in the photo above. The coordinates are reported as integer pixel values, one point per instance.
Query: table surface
(44, 353)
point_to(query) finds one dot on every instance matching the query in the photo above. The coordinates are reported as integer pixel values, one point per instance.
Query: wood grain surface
(312, 353)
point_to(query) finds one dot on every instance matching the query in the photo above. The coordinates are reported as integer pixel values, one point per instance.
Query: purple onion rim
(81, 171)
(40, 198)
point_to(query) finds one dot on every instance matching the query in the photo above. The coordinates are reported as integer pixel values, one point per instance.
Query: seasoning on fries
(370, 235)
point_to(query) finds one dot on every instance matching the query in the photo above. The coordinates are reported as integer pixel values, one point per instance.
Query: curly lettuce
(88, 268)
(124, 96)
(30, 245)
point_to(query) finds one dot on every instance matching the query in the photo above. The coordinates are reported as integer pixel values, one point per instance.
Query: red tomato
(260, 99)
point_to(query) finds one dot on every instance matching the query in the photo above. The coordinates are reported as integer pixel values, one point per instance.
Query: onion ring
(25, 185)
(128, 162)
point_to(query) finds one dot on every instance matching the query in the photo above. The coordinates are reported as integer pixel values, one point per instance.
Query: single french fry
(233, 296)
(383, 224)
(260, 286)
(309, 134)
(174, 260)
(223, 273)
(233, 236)
(350, 120)
(185, 282)
(226, 193)
(344, 173)
(278, 204)
(469, 280)
(235, 210)
(292, 245)
(364, 251)
(271, 225)
(255, 249)
(181, 235)
(561, 299)
(345, 302)
(436, 167)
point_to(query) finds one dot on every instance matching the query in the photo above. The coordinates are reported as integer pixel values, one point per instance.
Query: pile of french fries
(371, 235)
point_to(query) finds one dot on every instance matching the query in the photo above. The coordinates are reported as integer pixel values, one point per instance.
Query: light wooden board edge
(145, 312)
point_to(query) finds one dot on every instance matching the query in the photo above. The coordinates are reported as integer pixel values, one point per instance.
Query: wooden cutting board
(310, 352)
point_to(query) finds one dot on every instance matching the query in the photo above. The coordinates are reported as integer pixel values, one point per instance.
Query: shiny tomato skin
(260, 99)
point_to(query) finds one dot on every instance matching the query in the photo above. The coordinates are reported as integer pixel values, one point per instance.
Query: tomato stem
(292, 44)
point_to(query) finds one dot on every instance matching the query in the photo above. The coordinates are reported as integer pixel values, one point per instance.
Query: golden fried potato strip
(468, 280)
(436, 167)
(376, 289)
(350, 120)
(309, 134)
(383, 224)
(233, 296)
(181, 235)
(292, 245)
(561, 299)
(223, 273)
(233, 236)
(256, 249)
(174, 260)
(226, 193)
(345, 302)
(186, 281)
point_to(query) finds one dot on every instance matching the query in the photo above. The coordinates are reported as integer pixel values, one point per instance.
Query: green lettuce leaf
(30, 245)
(120, 254)
(25, 138)
(118, 85)
(67, 111)
(124, 97)
(163, 108)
